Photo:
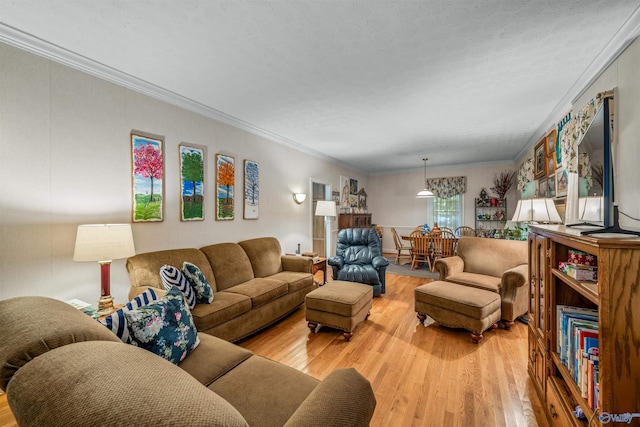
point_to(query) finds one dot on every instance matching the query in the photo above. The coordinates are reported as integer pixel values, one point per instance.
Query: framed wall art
(543, 187)
(551, 164)
(539, 157)
(225, 182)
(191, 182)
(562, 182)
(147, 165)
(551, 185)
(251, 189)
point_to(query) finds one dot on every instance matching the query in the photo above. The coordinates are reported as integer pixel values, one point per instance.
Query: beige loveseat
(492, 264)
(60, 367)
(254, 284)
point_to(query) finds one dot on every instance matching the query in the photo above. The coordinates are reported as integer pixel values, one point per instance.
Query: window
(447, 212)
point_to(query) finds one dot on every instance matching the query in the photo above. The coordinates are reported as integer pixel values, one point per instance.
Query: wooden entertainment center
(615, 296)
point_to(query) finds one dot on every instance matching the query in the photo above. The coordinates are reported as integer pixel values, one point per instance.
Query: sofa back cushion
(230, 264)
(491, 257)
(108, 383)
(144, 269)
(265, 255)
(32, 326)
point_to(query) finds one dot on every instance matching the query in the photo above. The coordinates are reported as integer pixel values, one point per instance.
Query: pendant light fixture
(423, 194)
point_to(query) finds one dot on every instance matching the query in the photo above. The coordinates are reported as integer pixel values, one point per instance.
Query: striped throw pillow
(171, 276)
(117, 321)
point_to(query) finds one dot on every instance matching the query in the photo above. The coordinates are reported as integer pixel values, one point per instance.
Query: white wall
(392, 199)
(65, 160)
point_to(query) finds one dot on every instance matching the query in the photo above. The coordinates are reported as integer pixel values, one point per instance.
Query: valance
(447, 187)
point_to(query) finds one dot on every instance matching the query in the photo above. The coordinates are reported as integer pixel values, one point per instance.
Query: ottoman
(338, 304)
(458, 306)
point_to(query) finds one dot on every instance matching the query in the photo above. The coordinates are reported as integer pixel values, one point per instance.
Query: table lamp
(103, 243)
(538, 210)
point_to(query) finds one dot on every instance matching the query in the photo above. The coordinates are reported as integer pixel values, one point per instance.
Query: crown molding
(627, 34)
(45, 49)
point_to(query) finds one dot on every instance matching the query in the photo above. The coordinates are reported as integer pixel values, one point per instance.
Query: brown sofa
(60, 367)
(491, 264)
(254, 284)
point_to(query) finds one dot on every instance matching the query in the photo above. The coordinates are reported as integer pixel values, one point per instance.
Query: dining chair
(447, 230)
(443, 247)
(421, 246)
(400, 247)
(465, 230)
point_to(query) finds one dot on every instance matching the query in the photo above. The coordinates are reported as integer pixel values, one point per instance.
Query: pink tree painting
(148, 171)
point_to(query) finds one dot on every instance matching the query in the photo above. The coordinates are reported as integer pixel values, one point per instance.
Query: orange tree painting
(148, 172)
(191, 183)
(225, 180)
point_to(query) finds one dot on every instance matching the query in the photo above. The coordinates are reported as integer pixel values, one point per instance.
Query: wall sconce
(299, 197)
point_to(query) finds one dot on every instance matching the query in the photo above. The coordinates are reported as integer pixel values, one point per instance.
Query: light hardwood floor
(422, 376)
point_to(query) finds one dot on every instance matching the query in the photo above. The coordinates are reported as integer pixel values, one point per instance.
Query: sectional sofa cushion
(26, 333)
(261, 291)
(231, 259)
(113, 384)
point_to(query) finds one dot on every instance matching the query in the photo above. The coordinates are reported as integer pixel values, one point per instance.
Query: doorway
(321, 230)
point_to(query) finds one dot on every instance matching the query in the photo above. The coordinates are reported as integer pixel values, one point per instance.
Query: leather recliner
(359, 258)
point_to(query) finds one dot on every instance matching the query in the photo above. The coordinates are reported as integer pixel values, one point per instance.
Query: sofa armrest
(449, 266)
(514, 292)
(301, 264)
(345, 398)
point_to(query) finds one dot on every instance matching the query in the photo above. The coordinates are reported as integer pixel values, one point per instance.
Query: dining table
(429, 247)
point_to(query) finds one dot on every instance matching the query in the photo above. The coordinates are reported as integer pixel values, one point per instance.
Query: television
(595, 171)
(596, 177)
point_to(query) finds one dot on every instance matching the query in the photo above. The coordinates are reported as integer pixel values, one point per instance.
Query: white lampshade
(103, 242)
(591, 208)
(326, 208)
(539, 210)
(423, 194)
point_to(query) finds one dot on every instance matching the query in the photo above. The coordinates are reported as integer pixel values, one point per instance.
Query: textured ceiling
(374, 84)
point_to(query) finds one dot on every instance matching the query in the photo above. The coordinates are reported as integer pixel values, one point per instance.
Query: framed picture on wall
(551, 164)
(562, 182)
(147, 165)
(191, 182)
(251, 189)
(551, 143)
(543, 187)
(539, 159)
(225, 183)
(536, 191)
(551, 185)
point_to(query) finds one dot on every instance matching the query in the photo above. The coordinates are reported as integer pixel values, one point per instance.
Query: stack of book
(578, 348)
(581, 266)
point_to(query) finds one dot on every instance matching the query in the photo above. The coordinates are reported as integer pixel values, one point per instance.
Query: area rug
(405, 270)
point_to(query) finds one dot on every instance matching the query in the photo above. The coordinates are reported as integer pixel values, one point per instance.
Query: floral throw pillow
(200, 285)
(164, 327)
(171, 276)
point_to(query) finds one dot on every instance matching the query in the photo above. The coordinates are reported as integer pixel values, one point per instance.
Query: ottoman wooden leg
(421, 317)
(476, 338)
(312, 326)
(347, 335)
(508, 324)
(367, 316)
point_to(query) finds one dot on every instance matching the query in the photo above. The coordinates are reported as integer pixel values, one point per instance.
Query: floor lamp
(326, 208)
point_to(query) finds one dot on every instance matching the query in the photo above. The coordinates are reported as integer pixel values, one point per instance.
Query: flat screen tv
(596, 195)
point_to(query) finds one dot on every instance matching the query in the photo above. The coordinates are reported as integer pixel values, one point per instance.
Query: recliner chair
(359, 258)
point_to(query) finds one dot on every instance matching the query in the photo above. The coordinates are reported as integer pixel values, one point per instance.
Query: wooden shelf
(573, 388)
(587, 289)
